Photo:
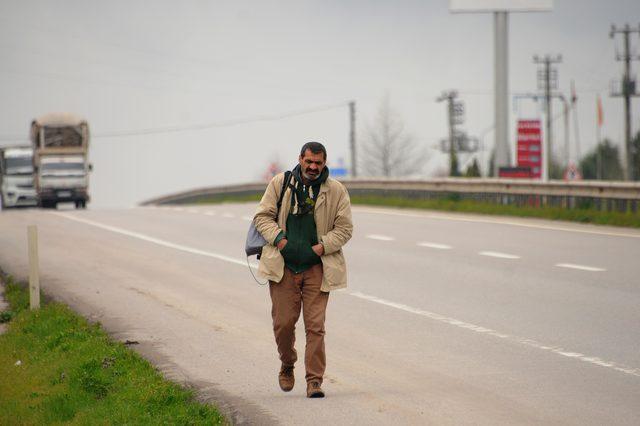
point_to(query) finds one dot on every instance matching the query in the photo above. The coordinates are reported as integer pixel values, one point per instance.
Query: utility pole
(501, 89)
(455, 112)
(352, 137)
(576, 128)
(547, 80)
(628, 90)
(599, 122)
(567, 142)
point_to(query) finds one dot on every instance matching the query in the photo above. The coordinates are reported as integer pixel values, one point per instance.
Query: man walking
(303, 259)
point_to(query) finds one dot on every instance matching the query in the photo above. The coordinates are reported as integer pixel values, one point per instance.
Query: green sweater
(301, 236)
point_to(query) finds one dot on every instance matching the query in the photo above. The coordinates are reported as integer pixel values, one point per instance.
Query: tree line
(389, 150)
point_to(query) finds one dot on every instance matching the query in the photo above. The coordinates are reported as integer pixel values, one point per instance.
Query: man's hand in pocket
(318, 249)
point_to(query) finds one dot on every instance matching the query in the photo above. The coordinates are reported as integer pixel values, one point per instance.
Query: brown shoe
(286, 378)
(314, 390)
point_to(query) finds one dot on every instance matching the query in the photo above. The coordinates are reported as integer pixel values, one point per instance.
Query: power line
(202, 126)
(227, 123)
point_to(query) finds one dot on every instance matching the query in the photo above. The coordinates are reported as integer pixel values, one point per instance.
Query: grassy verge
(466, 206)
(56, 367)
(584, 215)
(223, 198)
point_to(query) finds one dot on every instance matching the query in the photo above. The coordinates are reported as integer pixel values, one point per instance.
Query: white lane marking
(192, 211)
(436, 317)
(483, 330)
(580, 267)
(380, 237)
(496, 222)
(178, 209)
(498, 255)
(228, 214)
(157, 240)
(434, 245)
(249, 218)
(210, 213)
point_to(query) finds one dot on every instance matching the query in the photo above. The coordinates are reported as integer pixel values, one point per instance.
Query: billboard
(530, 146)
(465, 6)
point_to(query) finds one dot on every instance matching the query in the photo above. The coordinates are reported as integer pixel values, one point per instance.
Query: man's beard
(309, 177)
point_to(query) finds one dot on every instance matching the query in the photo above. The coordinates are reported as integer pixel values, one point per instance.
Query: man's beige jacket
(333, 223)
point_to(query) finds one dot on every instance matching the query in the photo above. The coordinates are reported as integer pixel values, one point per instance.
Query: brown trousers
(293, 292)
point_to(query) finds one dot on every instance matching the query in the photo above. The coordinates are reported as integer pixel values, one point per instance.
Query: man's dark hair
(314, 147)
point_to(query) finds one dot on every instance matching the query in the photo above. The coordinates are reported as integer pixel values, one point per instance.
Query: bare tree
(388, 149)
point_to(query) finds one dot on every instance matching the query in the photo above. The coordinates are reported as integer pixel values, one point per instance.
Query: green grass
(17, 298)
(71, 372)
(224, 198)
(583, 215)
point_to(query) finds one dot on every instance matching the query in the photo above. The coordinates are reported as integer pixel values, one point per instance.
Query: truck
(16, 177)
(60, 144)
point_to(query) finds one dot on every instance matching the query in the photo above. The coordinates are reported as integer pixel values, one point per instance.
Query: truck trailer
(60, 157)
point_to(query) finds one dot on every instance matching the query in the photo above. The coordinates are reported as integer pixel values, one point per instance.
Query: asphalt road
(448, 319)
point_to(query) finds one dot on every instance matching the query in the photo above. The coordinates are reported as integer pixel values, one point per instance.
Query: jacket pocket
(335, 269)
(271, 263)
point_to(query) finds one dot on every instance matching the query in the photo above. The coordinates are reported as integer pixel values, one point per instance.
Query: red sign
(530, 146)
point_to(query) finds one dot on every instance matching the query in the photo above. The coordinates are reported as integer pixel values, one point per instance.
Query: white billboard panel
(466, 6)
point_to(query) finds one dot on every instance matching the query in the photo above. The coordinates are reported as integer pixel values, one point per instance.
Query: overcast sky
(133, 65)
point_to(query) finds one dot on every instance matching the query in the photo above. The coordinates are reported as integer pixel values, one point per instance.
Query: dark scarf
(305, 196)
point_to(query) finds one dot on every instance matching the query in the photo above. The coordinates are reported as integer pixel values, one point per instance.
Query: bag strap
(285, 183)
(253, 275)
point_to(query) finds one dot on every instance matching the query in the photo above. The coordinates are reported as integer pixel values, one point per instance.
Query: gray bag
(255, 240)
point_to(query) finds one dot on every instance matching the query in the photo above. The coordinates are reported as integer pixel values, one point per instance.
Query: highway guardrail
(603, 195)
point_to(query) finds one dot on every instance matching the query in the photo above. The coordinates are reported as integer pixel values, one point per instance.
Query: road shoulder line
(487, 331)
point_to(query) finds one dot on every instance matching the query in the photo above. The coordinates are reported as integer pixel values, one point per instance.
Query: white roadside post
(34, 274)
